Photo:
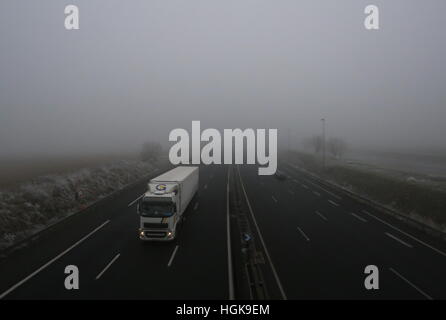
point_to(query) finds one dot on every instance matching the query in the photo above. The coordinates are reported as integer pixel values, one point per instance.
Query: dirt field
(14, 171)
(432, 164)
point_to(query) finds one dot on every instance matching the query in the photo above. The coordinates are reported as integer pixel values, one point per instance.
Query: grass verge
(420, 202)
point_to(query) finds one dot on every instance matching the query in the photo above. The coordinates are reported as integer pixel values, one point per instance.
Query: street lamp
(323, 142)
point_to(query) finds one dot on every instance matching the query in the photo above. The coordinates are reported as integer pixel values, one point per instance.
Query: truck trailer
(162, 207)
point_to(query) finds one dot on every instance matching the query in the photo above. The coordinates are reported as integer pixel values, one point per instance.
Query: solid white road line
(321, 215)
(18, 284)
(397, 239)
(136, 200)
(303, 234)
(316, 185)
(329, 192)
(333, 203)
(107, 266)
(228, 239)
(323, 189)
(405, 233)
(411, 284)
(275, 200)
(317, 193)
(205, 186)
(358, 217)
(304, 186)
(173, 255)
(276, 276)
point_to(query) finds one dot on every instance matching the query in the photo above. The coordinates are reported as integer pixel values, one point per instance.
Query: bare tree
(336, 147)
(151, 151)
(314, 143)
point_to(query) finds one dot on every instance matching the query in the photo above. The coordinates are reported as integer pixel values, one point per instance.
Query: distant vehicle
(163, 205)
(280, 175)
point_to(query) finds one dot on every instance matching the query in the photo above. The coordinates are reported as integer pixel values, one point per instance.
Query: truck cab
(166, 200)
(159, 212)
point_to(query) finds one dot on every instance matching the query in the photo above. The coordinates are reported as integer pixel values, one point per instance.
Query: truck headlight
(141, 233)
(169, 234)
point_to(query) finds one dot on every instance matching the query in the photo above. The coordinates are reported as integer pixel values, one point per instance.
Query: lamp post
(323, 142)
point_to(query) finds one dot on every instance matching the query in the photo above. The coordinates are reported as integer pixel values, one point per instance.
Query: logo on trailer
(160, 187)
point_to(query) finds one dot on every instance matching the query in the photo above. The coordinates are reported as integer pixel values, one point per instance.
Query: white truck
(161, 208)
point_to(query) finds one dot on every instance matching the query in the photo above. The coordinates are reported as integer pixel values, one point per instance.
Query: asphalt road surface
(319, 242)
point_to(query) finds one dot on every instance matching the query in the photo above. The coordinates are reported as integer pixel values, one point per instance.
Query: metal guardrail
(378, 206)
(251, 258)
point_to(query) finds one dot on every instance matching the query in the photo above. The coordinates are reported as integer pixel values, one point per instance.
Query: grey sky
(137, 69)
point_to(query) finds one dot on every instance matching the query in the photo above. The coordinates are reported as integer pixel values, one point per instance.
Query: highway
(315, 241)
(321, 241)
(194, 266)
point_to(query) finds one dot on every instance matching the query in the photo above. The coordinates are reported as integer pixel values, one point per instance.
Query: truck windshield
(157, 208)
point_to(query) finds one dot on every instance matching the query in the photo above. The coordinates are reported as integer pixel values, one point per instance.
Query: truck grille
(155, 234)
(155, 225)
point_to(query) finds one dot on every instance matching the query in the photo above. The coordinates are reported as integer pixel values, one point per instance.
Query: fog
(138, 69)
